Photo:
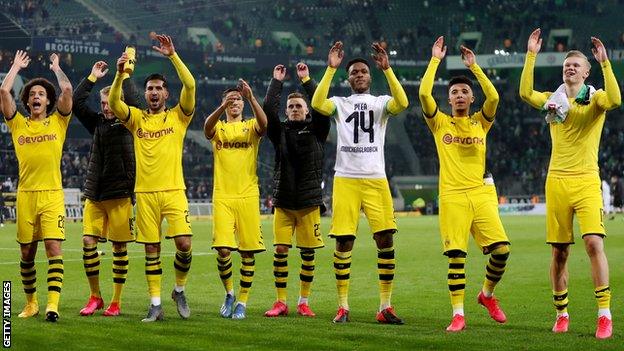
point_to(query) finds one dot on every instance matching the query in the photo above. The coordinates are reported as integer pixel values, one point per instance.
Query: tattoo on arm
(62, 78)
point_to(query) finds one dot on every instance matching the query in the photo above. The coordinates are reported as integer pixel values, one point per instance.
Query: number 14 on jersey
(359, 123)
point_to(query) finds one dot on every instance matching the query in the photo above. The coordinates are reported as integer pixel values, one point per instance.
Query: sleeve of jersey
(612, 97)
(134, 116)
(187, 96)
(399, 101)
(433, 122)
(429, 106)
(252, 124)
(491, 95)
(534, 98)
(119, 108)
(320, 102)
(182, 118)
(215, 136)
(15, 121)
(486, 122)
(63, 120)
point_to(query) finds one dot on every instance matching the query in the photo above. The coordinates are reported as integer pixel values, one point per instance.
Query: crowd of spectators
(43, 18)
(242, 27)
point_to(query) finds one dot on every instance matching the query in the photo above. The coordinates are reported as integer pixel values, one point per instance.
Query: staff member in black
(109, 186)
(297, 194)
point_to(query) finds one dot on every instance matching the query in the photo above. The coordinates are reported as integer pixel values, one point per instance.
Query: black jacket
(111, 169)
(299, 151)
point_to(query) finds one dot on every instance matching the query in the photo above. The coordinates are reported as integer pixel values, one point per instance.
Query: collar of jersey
(29, 120)
(147, 111)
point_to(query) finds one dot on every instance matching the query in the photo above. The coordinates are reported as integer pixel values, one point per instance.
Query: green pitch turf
(420, 298)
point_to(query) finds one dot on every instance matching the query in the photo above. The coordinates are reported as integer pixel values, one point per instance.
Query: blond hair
(576, 53)
(106, 91)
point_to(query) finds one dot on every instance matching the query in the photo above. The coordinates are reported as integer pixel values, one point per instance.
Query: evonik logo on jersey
(450, 139)
(36, 139)
(232, 145)
(154, 135)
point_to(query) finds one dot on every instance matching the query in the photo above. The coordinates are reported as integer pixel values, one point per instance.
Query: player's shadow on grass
(509, 326)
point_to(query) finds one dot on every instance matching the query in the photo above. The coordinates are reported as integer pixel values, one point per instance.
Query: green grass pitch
(420, 297)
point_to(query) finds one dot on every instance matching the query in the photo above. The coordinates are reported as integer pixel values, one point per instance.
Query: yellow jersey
(575, 142)
(235, 146)
(158, 146)
(39, 147)
(461, 145)
(460, 141)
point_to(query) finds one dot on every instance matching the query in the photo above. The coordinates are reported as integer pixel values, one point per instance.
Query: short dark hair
(460, 80)
(50, 92)
(155, 76)
(356, 60)
(229, 90)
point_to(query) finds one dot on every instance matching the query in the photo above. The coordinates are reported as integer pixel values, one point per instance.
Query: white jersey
(361, 121)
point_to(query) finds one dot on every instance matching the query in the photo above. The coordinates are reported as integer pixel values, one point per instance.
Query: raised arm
(321, 124)
(612, 97)
(271, 102)
(213, 118)
(534, 98)
(85, 114)
(320, 102)
(429, 106)
(308, 84)
(187, 96)
(64, 104)
(8, 107)
(116, 104)
(261, 117)
(491, 95)
(399, 101)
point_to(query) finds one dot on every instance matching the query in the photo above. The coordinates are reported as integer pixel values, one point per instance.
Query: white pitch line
(106, 257)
